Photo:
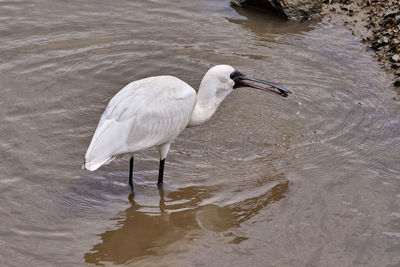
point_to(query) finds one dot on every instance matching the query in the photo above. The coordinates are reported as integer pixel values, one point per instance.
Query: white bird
(153, 111)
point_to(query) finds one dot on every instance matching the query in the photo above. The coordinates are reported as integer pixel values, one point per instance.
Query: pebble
(395, 57)
(385, 40)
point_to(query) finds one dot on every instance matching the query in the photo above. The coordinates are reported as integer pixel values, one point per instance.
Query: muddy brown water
(309, 181)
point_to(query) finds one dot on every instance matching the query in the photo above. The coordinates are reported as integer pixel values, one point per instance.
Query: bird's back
(145, 113)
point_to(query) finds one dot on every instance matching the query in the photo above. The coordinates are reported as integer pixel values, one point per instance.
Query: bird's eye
(235, 74)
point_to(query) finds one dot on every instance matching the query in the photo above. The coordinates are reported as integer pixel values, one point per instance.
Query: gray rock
(294, 10)
(391, 14)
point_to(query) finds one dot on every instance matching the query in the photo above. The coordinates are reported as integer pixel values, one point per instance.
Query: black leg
(131, 173)
(161, 173)
(162, 199)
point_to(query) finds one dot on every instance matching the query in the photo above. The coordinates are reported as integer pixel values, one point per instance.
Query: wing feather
(143, 114)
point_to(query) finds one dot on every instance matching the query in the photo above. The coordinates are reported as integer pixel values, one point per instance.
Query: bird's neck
(200, 115)
(207, 102)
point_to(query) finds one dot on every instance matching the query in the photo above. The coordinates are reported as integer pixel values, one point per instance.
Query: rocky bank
(293, 10)
(376, 23)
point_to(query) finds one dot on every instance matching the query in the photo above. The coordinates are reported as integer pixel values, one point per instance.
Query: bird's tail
(94, 165)
(100, 152)
(105, 145)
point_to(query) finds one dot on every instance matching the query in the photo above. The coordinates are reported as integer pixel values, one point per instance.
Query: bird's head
(218, 82)
(225, 78)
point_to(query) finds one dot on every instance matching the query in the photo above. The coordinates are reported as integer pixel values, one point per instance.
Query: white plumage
(145, 113)
(154, 111)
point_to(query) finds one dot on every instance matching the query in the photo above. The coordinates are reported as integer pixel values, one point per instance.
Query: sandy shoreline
(377, 24)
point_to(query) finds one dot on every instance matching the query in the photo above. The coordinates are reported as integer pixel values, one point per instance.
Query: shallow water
(309, 181)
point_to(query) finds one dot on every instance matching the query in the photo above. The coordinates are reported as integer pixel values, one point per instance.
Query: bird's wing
(143, 114)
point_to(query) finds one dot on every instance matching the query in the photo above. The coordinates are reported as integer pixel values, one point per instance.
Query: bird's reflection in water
(175, 227)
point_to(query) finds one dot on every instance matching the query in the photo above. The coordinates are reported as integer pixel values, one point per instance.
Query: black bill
(242, 80)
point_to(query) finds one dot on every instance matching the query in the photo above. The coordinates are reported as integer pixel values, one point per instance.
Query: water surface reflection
(176, 222)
